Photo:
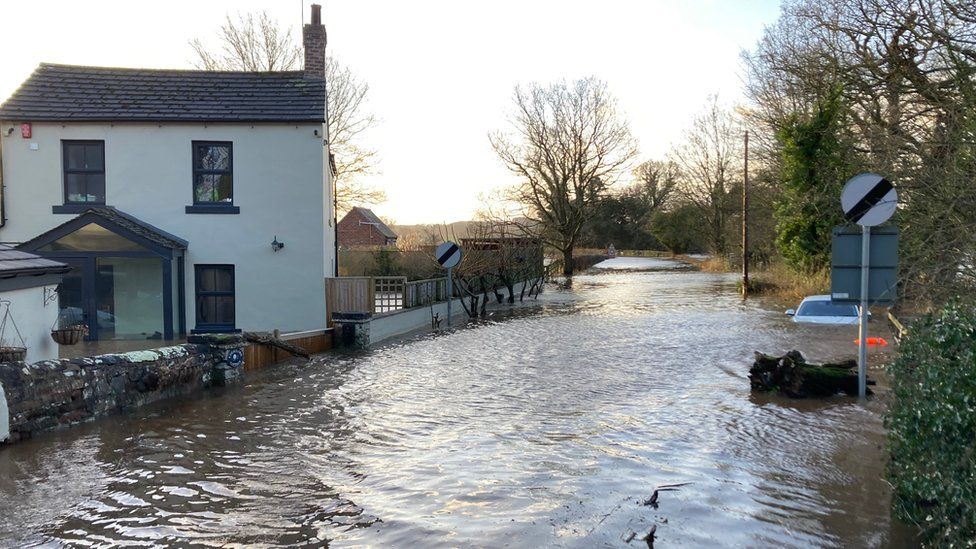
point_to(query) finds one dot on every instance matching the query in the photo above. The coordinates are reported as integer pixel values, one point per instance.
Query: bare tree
(250, 44)
(568, 144)
(710, 159)
(260, 44)
(903, 69)
(654, 183)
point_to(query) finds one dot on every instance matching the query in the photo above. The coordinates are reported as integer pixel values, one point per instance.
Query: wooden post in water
(745, 220)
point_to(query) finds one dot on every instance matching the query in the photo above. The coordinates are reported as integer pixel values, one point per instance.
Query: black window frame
(207, 206)
(65, 171)
(222, 327)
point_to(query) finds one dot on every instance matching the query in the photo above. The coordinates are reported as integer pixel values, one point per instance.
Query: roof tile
(17, 263)
(69, 92)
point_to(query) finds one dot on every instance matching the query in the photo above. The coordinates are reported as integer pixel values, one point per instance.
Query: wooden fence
(350, 294)
(380, 294)
(424, 292)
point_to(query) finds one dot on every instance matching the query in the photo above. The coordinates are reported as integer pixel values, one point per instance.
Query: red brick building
(361, 228)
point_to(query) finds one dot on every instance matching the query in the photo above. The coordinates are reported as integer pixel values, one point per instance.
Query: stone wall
(59, 393)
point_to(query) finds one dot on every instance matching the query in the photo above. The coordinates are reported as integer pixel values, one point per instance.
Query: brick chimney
(313, 38)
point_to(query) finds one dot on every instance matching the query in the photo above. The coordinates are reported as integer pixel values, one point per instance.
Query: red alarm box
(25, 130)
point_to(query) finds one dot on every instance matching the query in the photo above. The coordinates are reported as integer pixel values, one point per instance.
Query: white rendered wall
(401, 322)
(34, 319)
(280, 184)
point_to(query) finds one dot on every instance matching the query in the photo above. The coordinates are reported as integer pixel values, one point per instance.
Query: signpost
(868, 200)
(845, 265)
(448, 255)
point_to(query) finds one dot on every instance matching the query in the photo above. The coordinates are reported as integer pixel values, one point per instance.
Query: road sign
(845, 265)
(868, 199)
(448, 255)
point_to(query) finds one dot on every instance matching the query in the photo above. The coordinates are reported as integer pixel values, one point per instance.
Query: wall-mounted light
(275, 245)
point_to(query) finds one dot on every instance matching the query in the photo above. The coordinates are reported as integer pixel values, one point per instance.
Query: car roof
(817, 298)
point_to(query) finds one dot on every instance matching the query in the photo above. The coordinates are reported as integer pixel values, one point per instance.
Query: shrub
(386, 263)
(816, 158)
(932, 427)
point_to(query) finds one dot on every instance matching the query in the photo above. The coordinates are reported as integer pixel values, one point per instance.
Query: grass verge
(782, 283)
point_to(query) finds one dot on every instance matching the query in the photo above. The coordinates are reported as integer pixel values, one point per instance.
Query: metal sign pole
(450, 294)
(448, 255)
(862, 347)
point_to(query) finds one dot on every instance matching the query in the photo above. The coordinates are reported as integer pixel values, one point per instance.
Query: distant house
(361, 228)
(28, 300)
(183, 200)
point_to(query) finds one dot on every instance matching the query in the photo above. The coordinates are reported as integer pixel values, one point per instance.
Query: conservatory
(126, 277)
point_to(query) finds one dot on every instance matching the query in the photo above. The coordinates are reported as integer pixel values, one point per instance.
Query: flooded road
(543, 426)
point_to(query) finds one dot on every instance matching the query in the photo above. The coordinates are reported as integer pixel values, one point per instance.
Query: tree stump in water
(794, 377)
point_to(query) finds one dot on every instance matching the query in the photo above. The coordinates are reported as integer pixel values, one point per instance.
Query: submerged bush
(932, 427)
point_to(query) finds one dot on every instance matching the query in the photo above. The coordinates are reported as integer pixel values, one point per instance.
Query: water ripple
(543, 425)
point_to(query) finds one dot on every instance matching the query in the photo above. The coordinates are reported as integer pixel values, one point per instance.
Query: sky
(440, 73)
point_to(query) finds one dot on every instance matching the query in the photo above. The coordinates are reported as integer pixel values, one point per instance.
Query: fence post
(371, 294)
(404, 304)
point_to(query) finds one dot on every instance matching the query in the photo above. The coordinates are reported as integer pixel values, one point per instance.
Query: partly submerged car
(820, 309)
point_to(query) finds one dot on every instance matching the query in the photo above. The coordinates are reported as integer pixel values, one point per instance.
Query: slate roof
(140, 227)
(91, 94)
(121, 219)
(374, 219)
(15, 263)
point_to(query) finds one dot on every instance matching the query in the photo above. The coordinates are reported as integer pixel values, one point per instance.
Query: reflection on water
(542, 426)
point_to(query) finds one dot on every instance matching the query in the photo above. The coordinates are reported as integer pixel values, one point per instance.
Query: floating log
(265, 339)
(794, 377)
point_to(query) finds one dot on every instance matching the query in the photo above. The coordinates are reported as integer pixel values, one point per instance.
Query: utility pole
(745, 221)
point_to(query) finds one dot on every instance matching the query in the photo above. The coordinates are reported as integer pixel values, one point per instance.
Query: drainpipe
(335, 212)
(3, 191)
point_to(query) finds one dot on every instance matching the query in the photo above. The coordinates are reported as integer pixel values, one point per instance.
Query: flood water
(543, 426)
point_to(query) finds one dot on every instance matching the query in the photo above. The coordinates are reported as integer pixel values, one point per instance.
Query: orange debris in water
(880, 341)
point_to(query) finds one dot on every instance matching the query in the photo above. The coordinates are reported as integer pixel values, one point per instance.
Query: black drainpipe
(3, 191)
(335, 213)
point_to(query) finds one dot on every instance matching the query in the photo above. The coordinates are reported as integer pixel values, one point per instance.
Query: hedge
(932, 427)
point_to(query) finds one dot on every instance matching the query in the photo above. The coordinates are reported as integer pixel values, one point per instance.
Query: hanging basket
(12, 354)
(70, 335)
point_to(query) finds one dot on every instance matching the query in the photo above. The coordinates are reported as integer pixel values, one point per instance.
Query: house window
(84, 172)
(215, 298)
(213, 173)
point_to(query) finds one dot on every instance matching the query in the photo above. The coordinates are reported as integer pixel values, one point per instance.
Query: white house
(28, 303)
(182, 200)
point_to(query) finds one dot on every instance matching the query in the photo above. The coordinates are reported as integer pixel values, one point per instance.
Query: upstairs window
(213, 173)
(84, 172)
(215, 298)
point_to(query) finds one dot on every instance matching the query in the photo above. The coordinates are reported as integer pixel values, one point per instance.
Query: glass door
(75, 302)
